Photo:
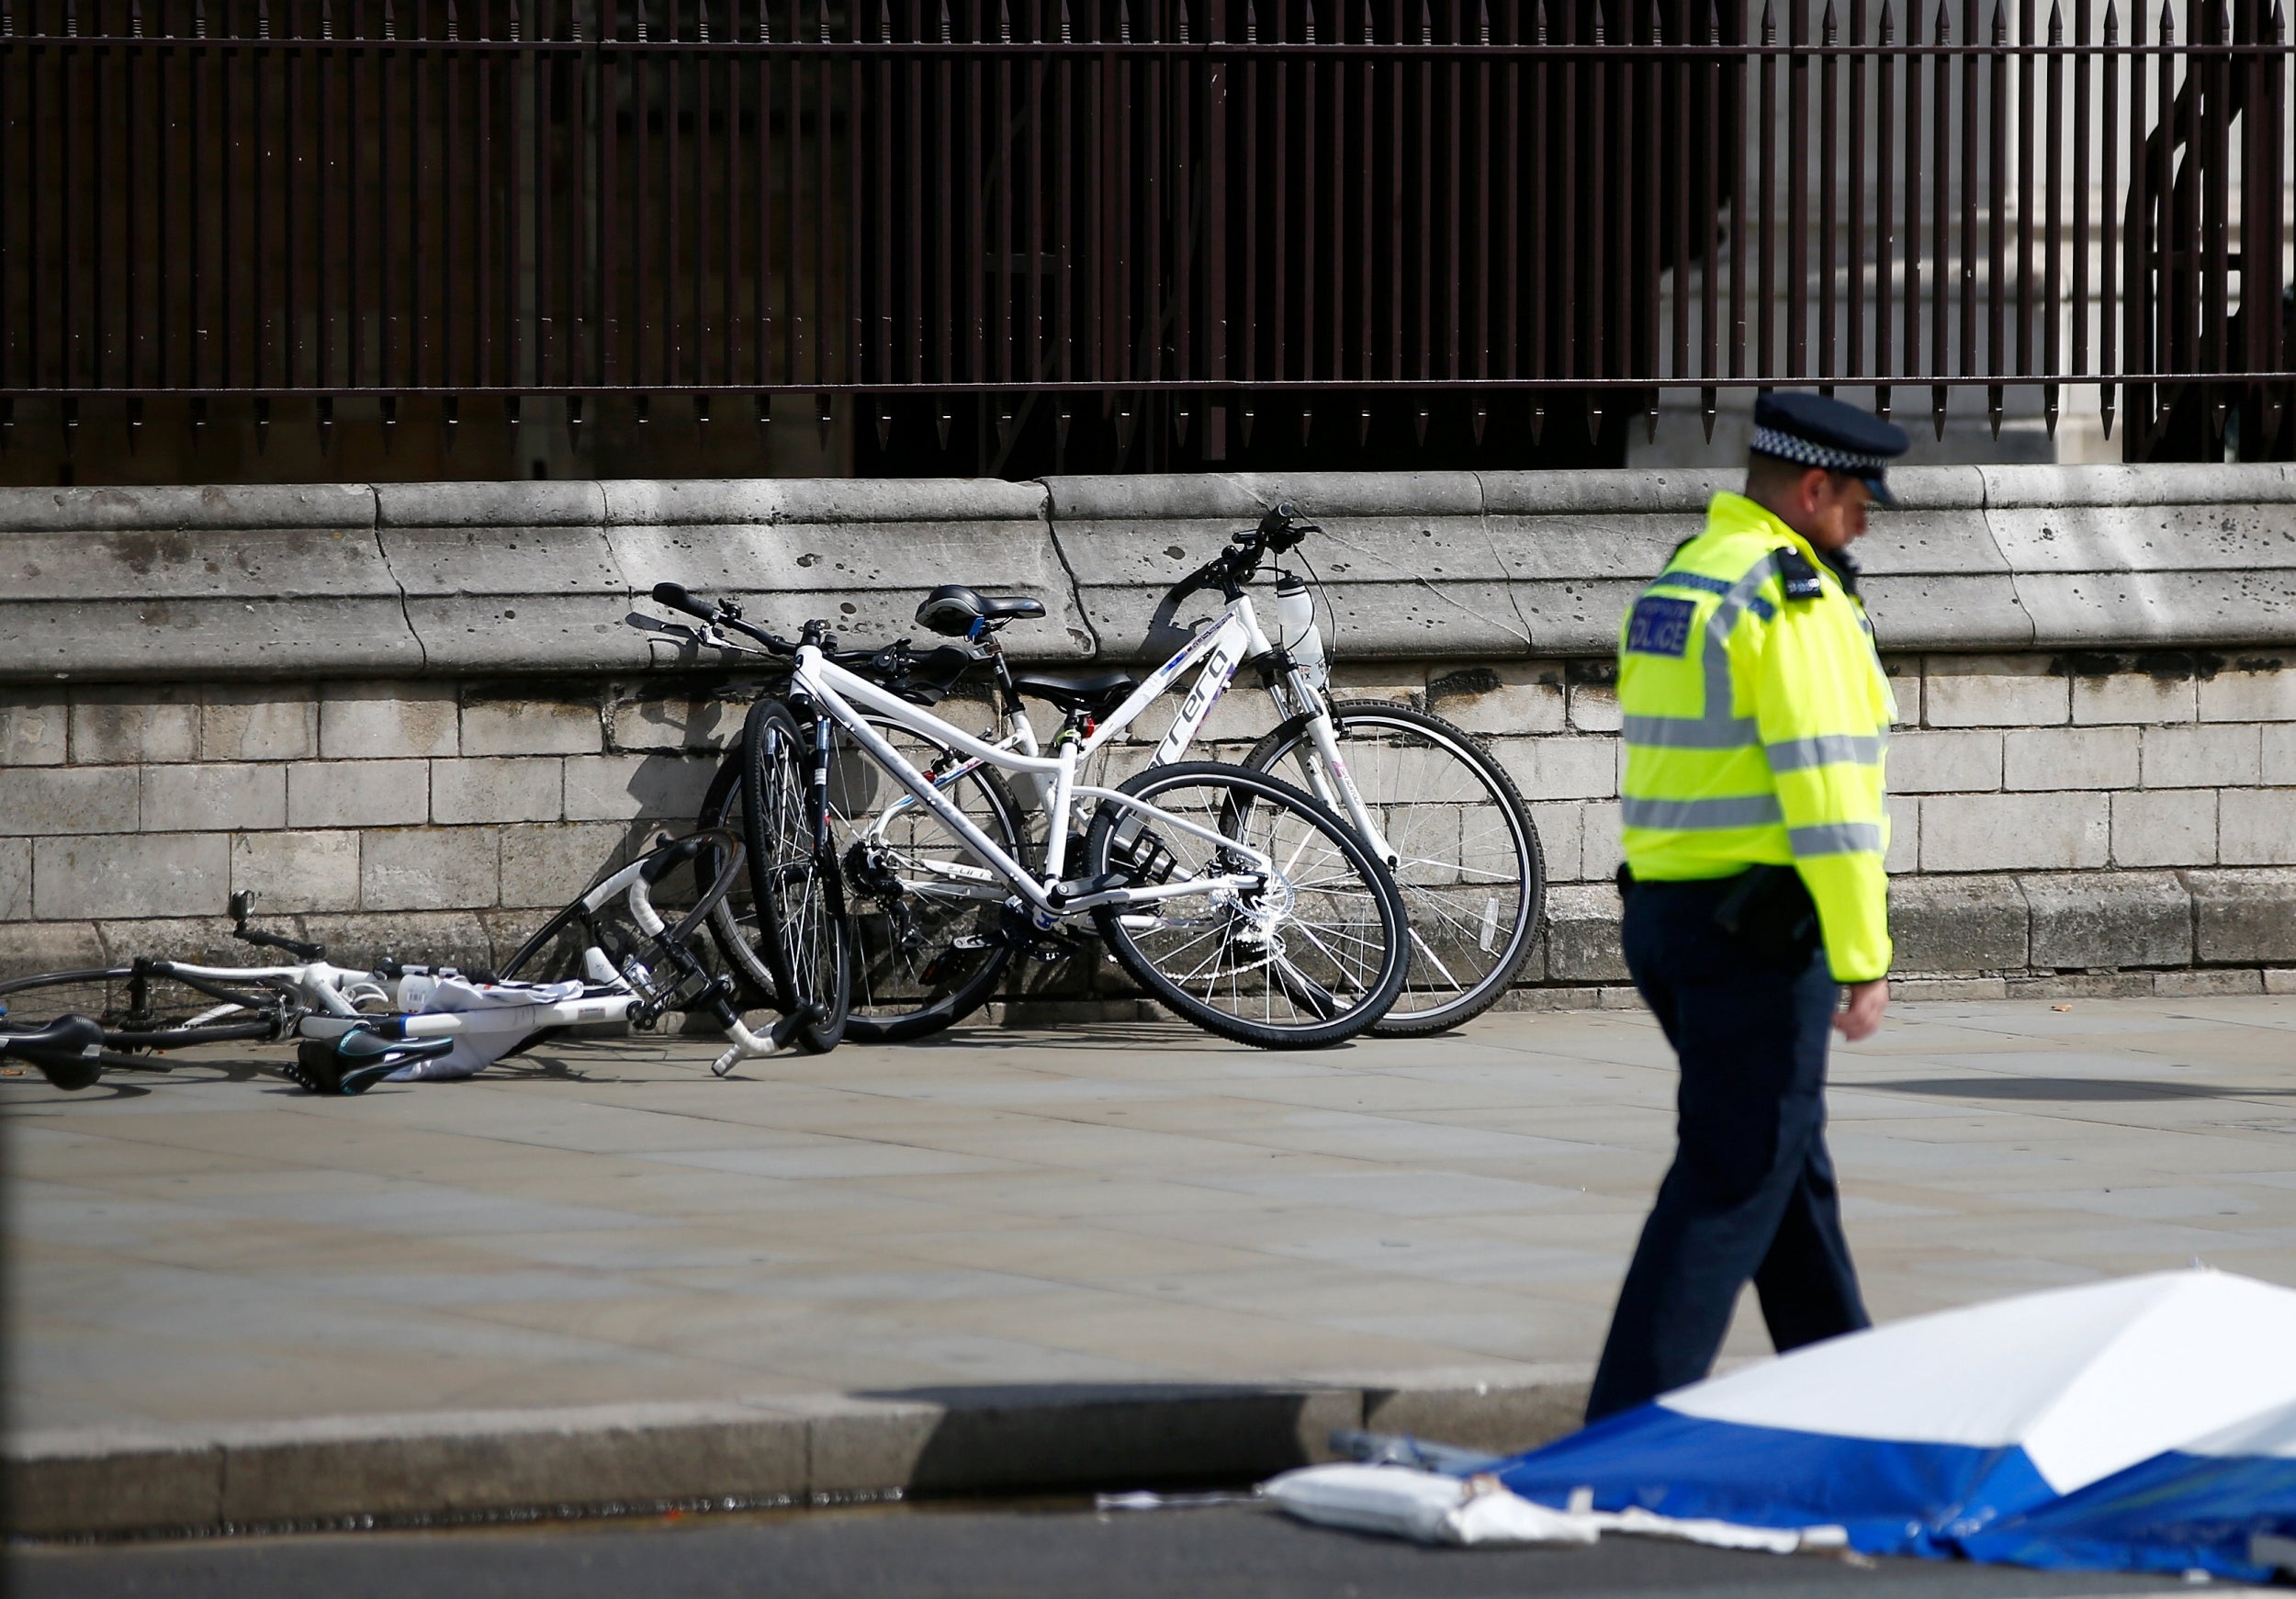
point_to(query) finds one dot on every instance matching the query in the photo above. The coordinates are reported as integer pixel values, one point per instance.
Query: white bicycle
(610, 957)
(1436, 807)
(1233, 899)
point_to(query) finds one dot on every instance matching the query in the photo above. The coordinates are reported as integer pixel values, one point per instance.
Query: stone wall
(410, 719)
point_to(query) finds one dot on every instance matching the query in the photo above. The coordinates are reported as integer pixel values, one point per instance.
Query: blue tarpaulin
(1925, 1436)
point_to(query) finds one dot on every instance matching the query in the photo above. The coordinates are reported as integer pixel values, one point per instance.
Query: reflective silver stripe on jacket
(1824, 750)
(1836, 838)
(1753, 810)
(1690, 732)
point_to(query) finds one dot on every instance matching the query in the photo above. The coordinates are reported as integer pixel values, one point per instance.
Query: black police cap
(1814, 431)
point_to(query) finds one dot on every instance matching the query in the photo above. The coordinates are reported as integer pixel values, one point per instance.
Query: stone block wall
(2088, 796)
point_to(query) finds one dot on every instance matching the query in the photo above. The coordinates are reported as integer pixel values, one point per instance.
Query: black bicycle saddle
(1097, 694)
(954, 609)
(68, 1051)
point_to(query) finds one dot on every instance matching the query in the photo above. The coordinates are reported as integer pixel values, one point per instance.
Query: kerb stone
(1958, 924)
(2121, 919)
(2244, 918)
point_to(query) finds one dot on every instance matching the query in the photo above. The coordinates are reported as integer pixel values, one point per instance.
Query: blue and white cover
(2225, 1503)
(1918, 1436)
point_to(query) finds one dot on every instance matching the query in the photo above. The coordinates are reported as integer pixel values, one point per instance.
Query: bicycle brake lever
(646, 624)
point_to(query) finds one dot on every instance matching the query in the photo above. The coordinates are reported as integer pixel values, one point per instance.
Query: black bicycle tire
(978, 988)
(798, 990)
(541, 940)
(1523, 937)
(721, 808)
(1237, 1030)
(126, 1046)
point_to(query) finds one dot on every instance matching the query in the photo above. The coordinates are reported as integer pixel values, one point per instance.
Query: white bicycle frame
(836, 692)
(331, 995)
(1221, 645)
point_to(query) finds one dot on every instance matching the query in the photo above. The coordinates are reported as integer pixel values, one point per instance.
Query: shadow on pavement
(1027, 1437)
(2073, 1089)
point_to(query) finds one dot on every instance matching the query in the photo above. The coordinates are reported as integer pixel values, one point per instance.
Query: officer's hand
(1861, 1008)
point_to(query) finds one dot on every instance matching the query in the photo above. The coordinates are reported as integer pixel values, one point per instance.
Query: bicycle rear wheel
(1467, 855)
(793, 879)
(141, 1012)
(1311, 955)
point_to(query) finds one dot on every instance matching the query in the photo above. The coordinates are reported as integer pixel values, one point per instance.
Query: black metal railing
(1241, 209)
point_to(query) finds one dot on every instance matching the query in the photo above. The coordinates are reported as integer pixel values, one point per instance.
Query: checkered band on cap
(1770, 441)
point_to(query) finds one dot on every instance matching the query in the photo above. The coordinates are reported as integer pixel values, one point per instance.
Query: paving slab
(892, 1267)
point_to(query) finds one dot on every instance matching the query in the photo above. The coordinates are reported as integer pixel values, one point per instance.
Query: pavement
(1001, 1259)
(972, 1552)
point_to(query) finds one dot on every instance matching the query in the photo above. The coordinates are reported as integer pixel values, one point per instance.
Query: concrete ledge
(166, 583)
(773, 1448)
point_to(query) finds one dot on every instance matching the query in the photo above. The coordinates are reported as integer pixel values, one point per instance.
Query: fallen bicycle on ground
(608, 958)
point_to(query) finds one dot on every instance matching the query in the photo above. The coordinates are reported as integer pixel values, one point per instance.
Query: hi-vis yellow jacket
(1755, 726)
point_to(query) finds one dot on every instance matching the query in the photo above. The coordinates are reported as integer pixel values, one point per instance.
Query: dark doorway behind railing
(409, 238)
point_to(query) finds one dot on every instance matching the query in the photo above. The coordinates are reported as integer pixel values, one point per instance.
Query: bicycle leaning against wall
(1236, 900)
(1436, 808)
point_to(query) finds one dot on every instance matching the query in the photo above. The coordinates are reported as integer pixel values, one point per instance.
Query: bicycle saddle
(1096, 695)
(68, 1051)
(954, 609)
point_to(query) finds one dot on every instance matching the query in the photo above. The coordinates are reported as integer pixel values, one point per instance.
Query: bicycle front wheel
(1311, 952)
(1463, 849)
(793, 879)
(930, 942)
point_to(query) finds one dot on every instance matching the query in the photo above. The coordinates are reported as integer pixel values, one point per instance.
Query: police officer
(1755, 712)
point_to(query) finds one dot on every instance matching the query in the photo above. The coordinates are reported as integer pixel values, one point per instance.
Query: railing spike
(199, 18)
(1484, 21)
(825, 21)
(1538, 16)
(1598, 21)
(1251, 31)
(2056, 23)
(1004, 21)
(454, 21)
(1183, 21)
(1123, 20)
(1889, 24)
(1311, 21)
(2167, 24)
(2279, 24)
(1426, 23)
(135, 20)
(2112, 28)
(2000, 23)
(1769, 25)
(947, 29)
(1658, 25)
(1828, 27)
(390, 20)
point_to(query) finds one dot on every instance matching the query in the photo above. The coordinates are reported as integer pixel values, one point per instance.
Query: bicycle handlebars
(924, 678)
(1278, 532)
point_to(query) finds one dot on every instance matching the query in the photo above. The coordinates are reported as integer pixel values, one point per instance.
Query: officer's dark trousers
(1752, 1192)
